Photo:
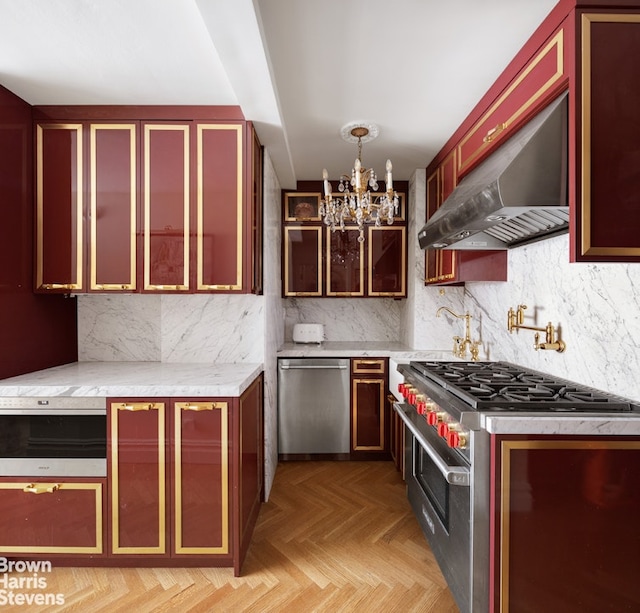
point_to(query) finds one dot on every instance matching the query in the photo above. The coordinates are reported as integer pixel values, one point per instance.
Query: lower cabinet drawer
(51, 516)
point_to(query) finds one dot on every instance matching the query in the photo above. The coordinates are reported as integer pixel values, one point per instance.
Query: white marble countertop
(613, 424)
(397, 351)
(134, 379)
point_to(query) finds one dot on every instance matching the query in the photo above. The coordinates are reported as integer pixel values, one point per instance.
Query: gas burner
(493, 377)
(527, 393)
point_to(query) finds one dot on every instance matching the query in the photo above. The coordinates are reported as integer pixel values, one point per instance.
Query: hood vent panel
(518, 195)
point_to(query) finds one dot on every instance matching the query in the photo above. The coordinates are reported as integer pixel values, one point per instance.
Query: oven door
(439, 491)
(61, 444)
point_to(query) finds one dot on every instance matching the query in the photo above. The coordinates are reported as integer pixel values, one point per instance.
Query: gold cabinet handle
(491, 134)
(59, 286)
(208, 406)
(137, 406)
(41, 488)
(201, 406)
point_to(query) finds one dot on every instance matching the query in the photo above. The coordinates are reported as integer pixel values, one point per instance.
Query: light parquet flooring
(333, 537)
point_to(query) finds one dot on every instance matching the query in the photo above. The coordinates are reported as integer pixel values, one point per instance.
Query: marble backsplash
(189, 328)
(596, 308)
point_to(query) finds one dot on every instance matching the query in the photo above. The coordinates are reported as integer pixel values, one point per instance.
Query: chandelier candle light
(358, 205)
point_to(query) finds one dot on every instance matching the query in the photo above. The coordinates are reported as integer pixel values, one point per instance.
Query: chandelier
(356, 204)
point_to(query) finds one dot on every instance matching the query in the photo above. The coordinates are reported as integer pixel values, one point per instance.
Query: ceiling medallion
(357, 204)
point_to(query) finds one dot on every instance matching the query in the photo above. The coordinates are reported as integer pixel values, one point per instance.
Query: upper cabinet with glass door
(319, 262)
(169, 206)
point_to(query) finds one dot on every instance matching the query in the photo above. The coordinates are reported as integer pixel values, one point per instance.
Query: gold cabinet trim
(93, 217)
(148, 129)
(318, 230)
(317, 196)
(96, 487)
(403, 263)
(555, 44)
(328, 259)
(354, 417)
(239, 208)
(586, 246)
(115, 502)
(505, 489)
(223, 407)
(371, 362)
(77, 284)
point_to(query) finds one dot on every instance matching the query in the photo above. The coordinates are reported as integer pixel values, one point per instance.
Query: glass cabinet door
(302, 261)
(345, 263)
(387, 255)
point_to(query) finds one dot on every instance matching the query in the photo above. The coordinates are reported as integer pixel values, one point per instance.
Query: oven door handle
(455, 475)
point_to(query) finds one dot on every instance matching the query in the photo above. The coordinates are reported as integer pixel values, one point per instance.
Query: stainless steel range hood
(516, 196)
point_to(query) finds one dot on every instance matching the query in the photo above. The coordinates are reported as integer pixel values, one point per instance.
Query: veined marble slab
(134, 379)
(382, 349)
(614, 424)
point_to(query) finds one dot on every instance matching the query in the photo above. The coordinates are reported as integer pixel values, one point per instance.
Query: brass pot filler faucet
(460, 344)
(515, 321)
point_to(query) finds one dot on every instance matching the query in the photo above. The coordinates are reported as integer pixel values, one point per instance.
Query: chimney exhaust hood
(516, 196)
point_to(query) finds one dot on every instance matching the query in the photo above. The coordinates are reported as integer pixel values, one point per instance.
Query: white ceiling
(300, 69)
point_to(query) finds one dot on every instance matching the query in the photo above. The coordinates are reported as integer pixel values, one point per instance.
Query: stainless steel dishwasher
(313, 405)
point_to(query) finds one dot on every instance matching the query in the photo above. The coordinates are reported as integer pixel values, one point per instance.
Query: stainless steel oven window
(53, 436)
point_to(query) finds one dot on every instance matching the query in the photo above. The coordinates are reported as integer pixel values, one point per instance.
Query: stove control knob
(457, 439)
(421, 404)
(435, 417)
(401, 388)
(443, 429)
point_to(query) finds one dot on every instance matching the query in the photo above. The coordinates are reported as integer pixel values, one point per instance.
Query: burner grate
(503, 386)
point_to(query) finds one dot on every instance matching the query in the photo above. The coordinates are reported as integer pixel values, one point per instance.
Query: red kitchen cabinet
(604, 161)
(376, 267)
(344, 262)
(166, 206)
(588, 48)
(170, 206)
(369, 415)
(137, 465)
(220, 207)
(565, 524)
(186, 478)
(387, 266)
(59, 207)
(448, 266)
(49, 517)
(302, 247)
(539, 81)
(113, 206)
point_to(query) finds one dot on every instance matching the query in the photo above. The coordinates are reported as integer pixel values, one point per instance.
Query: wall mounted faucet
(460, 344)
(515, 321)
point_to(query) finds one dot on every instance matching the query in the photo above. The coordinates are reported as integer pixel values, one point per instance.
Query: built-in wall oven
(55, 436)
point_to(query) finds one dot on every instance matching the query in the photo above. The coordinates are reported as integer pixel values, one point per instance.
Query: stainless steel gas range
(447, 453)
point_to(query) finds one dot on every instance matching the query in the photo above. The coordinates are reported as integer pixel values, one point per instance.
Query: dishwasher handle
(313, 366)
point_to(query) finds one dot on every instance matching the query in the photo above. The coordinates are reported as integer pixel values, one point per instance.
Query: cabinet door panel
(59, 205)
(61, 517)
(219, 207)
(201, 477)
(608, 194)
(387, 261)
(112, 156)
(568, 508)
(536, 84)
(166, 207)
(138, 492)
(302, 261)
(345, 263)
(368, 427)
